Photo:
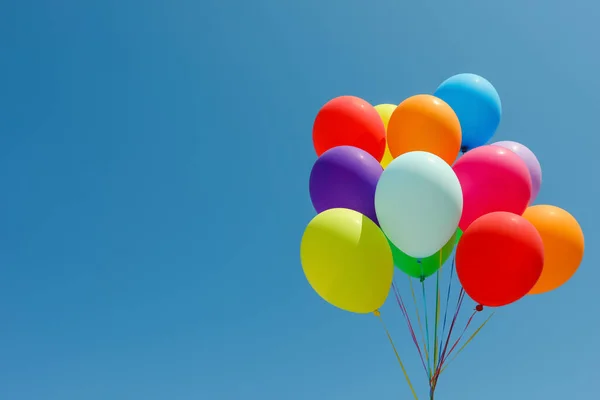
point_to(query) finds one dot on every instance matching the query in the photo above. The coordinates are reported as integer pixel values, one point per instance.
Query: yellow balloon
(385, 112)
(387, 158)
(347, 260)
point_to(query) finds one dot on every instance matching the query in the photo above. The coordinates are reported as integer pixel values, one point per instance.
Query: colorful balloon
(345, 177)
(425, 267)
(499, 259)
(563, 245)
(349, 121)
(418, 202)
(533, 165)
(477, 105)
(347, 260)
(424, 123)
(385, 112)
(493, 179)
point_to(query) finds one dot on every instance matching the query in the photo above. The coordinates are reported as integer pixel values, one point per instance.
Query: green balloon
(459, 234)
(429, 265)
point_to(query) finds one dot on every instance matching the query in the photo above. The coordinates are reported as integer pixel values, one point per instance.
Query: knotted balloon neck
(464, 149)
(479, 308)
(422, 278)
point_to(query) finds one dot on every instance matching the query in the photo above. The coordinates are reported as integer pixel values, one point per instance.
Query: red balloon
(499, 258)
(349, 121)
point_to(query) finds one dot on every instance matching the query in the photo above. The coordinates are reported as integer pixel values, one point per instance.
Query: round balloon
(345, 177)
(477, 105)
(425, 267)
(499, 259)
(349, 121)
(493, 179)
(347, 260)
(418, 202)
(533, 165)
(385, 112)
(424, 123)
(563, 245)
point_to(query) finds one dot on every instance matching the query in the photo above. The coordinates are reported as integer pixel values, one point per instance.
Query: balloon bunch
(403, 185)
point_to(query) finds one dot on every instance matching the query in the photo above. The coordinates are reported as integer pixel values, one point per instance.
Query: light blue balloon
(418, 202)
(477, 105)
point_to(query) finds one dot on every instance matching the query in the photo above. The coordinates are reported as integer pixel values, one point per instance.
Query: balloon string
(458, 306)
(414, 297)
(447, 303)
(412, 389)
(426, 321)
(409, 323)
(459, 337)
(437, 314)
(467, 342)
(459, 302)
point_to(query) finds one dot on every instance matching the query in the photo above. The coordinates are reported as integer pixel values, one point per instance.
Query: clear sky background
(154, 163)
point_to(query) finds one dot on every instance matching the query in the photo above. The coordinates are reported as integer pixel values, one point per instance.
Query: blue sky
(154, 162)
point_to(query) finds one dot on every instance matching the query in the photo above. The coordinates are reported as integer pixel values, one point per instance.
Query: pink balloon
(493, 179)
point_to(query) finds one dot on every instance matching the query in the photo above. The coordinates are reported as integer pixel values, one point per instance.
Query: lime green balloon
(459, 234)
(429, 265)
(347, 261)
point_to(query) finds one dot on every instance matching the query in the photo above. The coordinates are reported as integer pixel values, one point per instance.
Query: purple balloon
(535, 169)
(345, 177)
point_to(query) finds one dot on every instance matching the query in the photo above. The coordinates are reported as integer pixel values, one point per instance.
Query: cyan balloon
(418, 202)
(477, 105)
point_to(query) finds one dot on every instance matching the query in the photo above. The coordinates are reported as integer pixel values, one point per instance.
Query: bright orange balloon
(424, 123)
(563, 245)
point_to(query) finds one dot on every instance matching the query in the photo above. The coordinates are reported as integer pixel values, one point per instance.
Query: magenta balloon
(533, 165)
(492, 179)
(345, 177)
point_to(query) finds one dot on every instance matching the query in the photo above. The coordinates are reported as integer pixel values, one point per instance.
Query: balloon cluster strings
(411, 330)
(434, 364)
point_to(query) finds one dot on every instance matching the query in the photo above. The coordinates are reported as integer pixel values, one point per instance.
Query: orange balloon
(424, 123)
(563, 245)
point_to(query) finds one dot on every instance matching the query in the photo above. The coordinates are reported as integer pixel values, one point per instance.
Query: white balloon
(419, 203)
